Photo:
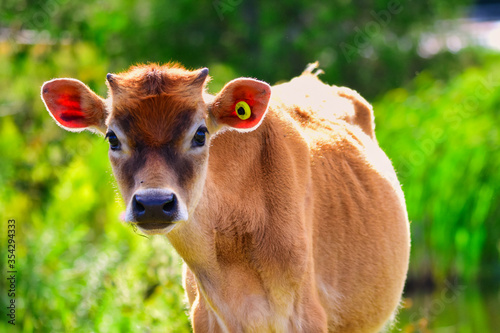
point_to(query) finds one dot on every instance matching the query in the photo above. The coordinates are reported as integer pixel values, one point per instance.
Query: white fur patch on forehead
(108, 104)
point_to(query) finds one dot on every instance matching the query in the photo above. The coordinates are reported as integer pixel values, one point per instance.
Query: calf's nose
(154, 206)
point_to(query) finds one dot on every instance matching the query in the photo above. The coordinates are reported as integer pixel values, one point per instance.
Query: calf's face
(159, 122)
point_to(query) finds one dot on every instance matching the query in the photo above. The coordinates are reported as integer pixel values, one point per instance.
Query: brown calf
(295, 221)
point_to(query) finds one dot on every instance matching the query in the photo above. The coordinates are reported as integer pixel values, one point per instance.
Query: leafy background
(80, 270)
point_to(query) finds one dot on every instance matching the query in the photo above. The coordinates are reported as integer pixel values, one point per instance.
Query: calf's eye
(200, 136)
(114, 143)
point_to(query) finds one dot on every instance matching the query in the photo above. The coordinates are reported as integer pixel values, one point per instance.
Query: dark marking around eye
(114, 143)
(200, 136)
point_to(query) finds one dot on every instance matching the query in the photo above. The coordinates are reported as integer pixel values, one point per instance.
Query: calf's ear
(241, 104)
(74, 106)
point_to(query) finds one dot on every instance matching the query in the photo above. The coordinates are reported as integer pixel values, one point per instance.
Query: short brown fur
(142, 95)
(300, 225)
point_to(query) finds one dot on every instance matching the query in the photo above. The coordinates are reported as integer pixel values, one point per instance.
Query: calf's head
(159, 121)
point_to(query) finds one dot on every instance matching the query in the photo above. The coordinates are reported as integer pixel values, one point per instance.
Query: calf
(287, 214)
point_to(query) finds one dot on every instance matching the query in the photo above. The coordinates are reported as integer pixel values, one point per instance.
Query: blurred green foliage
(356, 41)
(453, 308)
(79, 270)
(444, 140)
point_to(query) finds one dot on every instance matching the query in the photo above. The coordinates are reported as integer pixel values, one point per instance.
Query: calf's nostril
(154, 205)
(138, 207)
(169, 205)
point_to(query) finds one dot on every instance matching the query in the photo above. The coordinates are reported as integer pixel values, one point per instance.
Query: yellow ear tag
(243, 110)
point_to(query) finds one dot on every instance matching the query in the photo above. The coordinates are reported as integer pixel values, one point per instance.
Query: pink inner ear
(247, 123)
(257, 98)
(68, 111)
